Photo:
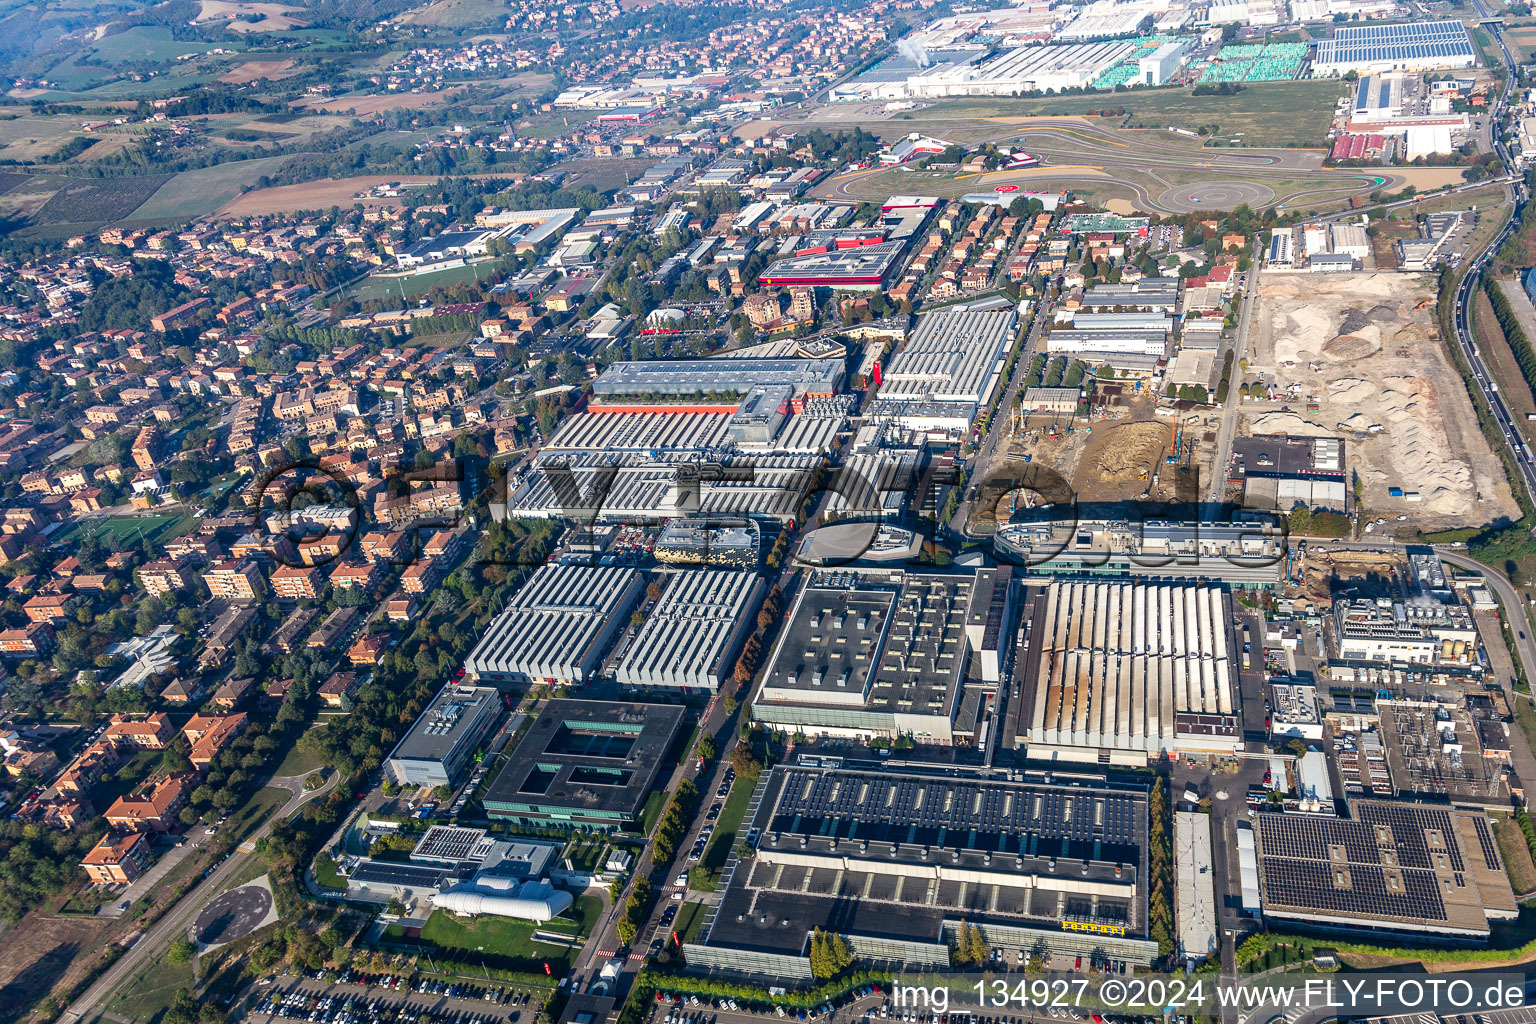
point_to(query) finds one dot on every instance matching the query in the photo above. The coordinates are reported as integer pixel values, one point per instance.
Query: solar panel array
(415, 876)
(1310, 884)
(1486, 842)
(1388, 868)
(1407, 43)
(960, 815)
(444, 842)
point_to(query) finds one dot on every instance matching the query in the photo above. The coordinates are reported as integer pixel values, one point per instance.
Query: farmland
(200, 192)
(365, 105)
(251, 17)
(315, 195)
(85, 204)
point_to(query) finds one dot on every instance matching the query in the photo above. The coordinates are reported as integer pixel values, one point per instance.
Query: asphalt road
(174, 921)
(1230, 415)
(982, 461)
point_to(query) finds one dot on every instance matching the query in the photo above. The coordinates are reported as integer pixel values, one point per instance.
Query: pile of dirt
(1129, 450)
(1348, 348)
(1373, 370)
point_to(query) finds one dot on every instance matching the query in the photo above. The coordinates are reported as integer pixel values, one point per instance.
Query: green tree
(181, 951)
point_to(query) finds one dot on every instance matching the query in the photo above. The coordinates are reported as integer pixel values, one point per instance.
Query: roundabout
(1215, 195)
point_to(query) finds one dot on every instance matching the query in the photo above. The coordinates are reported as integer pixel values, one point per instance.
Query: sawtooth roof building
(690, 640)
(557, 628)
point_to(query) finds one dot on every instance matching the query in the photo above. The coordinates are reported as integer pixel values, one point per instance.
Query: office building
(585, 764)
(439, 745)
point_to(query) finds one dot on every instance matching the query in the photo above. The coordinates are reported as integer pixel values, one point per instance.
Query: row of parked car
(344, 1009)
(498, 994)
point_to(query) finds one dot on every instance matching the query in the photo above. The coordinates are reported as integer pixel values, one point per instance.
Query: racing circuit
(1165, 173)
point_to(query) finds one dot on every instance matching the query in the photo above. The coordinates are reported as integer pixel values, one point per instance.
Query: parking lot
(393, 999)
(868, 1005)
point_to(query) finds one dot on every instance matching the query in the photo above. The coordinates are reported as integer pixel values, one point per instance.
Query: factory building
(691, 639)
(624, 487)
(1426, 872)
(722, 542)
(1126, 672)
(808, 377)
(898, 863)
(1419, 631)
(1098, 344)
(585, 764)
(605, 429)
(1235, 554)
(436, 749)
(557, 628)
(862, 268)
(1163, 63)
(761, 413)
(1414, 46)
(1150, 294)
(882, 654)
(946, 372)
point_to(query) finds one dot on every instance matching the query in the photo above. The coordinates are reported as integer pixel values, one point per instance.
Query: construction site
(1354, 356)
(1121, 451)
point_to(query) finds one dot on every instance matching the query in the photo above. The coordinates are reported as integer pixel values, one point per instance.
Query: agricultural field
(32, 137)
(314, 195)
(362, 106)
(258, 70)
(78, 205)
(252, 17)
(1523, 40)
(200, 192)
(458, 13)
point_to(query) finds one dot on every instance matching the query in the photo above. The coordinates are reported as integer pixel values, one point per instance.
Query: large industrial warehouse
(1236, 554)
(1126, 671)
(946, 371)
(1413, 869)
(639, 431)
(1415, 46)
(690, 640)
(702, 377)
(898, 862)
(865, 268)
(877, 653)
(621, 487)
(557, 627)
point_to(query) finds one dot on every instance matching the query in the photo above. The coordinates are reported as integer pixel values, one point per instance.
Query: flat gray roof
(689, 376)
(586, 760)
(452, 713)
